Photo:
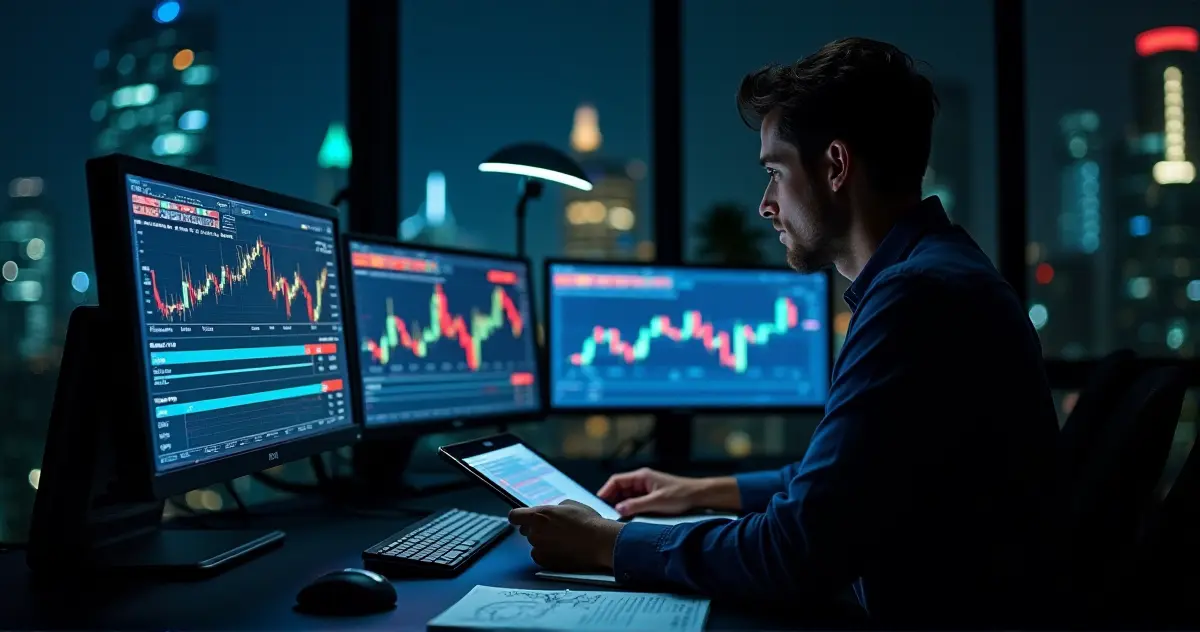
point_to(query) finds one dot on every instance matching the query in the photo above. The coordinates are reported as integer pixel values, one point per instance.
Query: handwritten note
(489, 608)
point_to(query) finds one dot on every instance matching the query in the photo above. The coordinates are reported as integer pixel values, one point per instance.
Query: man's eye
(772, 173)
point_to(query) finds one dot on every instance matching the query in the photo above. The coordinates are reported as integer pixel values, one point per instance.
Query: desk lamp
(535, 162)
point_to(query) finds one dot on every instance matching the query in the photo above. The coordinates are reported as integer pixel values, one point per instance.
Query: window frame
(374, 98)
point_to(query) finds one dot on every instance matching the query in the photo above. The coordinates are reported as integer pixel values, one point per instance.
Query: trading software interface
(659, 337)
(244, 346)
(533, 481)
(443, 335)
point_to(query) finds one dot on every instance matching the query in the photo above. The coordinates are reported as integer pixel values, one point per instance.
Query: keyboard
(444, 544)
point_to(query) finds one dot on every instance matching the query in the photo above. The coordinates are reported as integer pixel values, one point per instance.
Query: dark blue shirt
(924, 484)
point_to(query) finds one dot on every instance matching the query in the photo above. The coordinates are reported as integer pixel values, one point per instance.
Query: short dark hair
(866, 93)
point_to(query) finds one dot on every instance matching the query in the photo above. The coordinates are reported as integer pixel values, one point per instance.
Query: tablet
(519, 474)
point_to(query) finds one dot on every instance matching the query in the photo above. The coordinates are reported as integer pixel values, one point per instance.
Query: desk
(259, 594)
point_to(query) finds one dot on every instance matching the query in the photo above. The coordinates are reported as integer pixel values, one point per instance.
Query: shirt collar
(926, 216)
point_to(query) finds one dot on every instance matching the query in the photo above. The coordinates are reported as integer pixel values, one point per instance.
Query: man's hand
(569, 537)
(647, 491)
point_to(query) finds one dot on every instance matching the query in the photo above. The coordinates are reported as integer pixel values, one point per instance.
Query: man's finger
(539, 558)
(522, 516)
(616, 484)
(568, 502)
(525, 531)
(641, 504)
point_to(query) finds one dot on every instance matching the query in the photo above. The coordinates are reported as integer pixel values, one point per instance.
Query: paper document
(594, 579)
(674, 520)
(489, 608)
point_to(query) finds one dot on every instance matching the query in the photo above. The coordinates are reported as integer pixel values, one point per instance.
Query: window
(1112, 190)
(725, 40)
(478, 76)
(245, 91)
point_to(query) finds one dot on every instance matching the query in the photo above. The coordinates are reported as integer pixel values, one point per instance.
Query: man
(923, 486)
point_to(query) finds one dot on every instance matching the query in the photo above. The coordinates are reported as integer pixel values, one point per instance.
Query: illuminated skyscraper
(333, 161)
(601, 223)
(433, 224)
(1156, 200)
(28, 343)
(1079, 217)
(27, 275)
(157, 88)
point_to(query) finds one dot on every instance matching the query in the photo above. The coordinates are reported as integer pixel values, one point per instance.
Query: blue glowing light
(1139, 225)
(80, 282)
(166, 12)
(193, 120)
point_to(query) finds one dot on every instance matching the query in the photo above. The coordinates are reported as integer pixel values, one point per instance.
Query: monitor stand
(92, 511)
(382, 468)
(672, 436)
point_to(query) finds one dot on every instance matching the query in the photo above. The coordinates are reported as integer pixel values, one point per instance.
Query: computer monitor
(682, 338)
(229, 297)
(443, 336)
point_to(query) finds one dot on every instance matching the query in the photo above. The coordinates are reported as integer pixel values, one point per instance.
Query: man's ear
(837, 156)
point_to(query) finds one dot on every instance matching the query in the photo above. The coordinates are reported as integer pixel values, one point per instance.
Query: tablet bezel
(457, 453)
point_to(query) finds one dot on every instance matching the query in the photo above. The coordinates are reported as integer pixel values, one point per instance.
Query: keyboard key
(444, 543)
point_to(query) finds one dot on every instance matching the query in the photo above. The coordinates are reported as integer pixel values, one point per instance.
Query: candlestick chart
(469, 333)
(688, 338)
(444, 337)
(218, 280)
(731, 347)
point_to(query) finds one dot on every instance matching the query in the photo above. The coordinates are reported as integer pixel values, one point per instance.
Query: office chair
(1115, 491)
(1167, 573)
(1097, 401)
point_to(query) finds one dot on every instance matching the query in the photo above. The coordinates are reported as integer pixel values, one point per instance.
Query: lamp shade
(536, 160)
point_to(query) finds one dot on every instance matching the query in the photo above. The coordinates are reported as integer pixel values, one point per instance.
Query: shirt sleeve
(812, 538)
(756, 488)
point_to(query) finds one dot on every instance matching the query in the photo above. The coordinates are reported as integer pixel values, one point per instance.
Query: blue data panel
(241, 321)
(442, 335)
(676, 337)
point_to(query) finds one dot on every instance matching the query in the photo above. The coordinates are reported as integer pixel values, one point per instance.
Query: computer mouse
(350, 591)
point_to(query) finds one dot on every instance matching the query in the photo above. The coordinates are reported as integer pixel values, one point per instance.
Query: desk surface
(260, 593)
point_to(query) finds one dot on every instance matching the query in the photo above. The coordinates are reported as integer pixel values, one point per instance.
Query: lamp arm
(531, 189)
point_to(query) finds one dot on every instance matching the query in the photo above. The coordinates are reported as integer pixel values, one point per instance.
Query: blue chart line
(224, 355)
(206, 405)
(278, 367)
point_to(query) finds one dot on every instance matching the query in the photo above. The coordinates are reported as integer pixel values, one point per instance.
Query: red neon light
(1167, 38)
(1044, 273)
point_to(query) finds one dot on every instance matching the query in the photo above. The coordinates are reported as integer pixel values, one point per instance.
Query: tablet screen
(533, 481)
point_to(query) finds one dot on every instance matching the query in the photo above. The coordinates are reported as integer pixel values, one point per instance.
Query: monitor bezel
(409, 429)
(608, 409)
(119, 295)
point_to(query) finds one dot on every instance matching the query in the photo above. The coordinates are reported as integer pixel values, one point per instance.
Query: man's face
(801, 206)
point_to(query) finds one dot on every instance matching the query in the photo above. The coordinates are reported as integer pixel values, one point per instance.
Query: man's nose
(767, 208)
